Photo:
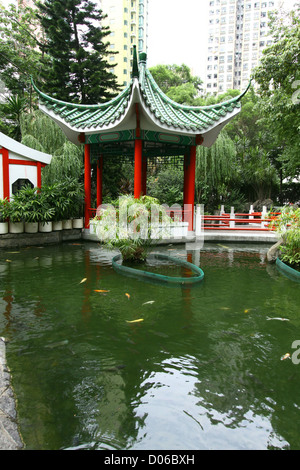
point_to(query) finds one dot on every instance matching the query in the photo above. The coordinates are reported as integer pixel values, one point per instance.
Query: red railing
(255, 221)
(252, 221)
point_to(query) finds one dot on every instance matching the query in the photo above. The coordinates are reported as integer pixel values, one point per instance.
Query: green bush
(127, 225)
(287, 226)
(4, 209)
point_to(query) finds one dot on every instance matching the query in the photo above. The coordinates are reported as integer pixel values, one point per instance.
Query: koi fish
(286, 356)
(8, 260)
(83, 280)
(101, 290)
(247, 311)
(150, 302)
(135, 321)
(128, 296)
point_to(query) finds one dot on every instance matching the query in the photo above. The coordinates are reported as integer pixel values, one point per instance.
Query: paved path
(235, 236)
(10, 438)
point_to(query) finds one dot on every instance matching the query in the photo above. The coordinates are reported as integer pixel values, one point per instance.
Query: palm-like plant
(4, 209)
(13, 109)
(128, 226)
(31, 204)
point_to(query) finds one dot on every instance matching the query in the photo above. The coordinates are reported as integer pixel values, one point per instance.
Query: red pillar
(87, 184)
(99, 180)
(185, 175)
(138, 146)
(39, 175)
(189, 186)
(5, 169)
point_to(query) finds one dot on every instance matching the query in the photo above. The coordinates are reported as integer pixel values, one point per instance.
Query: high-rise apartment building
(238, 32)
(128, 23)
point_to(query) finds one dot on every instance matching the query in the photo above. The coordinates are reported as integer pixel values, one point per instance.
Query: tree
(216, 172)
(167, 186)
(19, 54)
(278, 76)
(75, 40)
(43, 134)
(12, 111)
(178, 83)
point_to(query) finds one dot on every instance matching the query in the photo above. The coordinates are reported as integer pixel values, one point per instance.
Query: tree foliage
(178, 83)
(77, 45)
(43, 134)
(20, 57)
(278, 76)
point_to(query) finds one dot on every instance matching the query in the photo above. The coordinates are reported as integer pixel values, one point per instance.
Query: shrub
(287, 226)
(128, 225)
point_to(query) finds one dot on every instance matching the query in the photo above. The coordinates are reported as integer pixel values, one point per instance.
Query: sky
(178, 35)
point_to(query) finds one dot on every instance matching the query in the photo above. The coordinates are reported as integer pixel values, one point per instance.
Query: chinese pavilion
(142, 123)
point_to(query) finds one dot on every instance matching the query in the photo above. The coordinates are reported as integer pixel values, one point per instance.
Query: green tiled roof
(86, 117)
(182, 118)
(191, 118)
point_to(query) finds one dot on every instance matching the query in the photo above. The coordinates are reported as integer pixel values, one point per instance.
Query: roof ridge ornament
(135, 65)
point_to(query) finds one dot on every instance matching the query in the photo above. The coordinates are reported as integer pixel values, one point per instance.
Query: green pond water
(203, 370)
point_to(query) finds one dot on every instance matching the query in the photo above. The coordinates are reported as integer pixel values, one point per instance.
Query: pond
(202, 367)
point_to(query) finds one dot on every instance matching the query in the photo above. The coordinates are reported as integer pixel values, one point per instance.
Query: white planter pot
(45, 227)
(16, 227)
(57, 225)
(3, 228)
(31, 227)
(67, 224)
(78, 223)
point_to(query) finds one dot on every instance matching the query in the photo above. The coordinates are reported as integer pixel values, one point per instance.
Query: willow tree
(216, 171)
(43, 134)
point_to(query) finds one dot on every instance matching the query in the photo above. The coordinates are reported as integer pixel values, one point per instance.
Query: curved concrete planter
(161, 279)
(31, 227)
(16, 227)
(45, 227)
(77, 223)
(67, 224)
(3, 228)
(57, 225)
(289, 272)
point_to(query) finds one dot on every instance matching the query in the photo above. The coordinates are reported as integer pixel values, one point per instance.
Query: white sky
(178, 34)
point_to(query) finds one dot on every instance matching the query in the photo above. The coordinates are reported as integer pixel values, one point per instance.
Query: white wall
(22, 171)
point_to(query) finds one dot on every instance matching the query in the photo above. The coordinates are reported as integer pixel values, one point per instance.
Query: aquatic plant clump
(132, 225)
(287, 226)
